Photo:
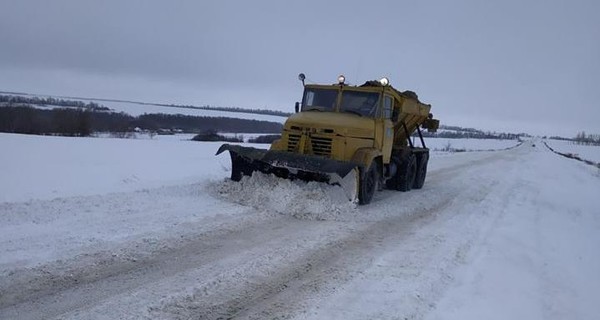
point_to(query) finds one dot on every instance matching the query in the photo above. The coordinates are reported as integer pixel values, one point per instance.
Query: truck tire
(368, 184)
(422, 160)
(407, 173)
(404, 178)
(392, 182)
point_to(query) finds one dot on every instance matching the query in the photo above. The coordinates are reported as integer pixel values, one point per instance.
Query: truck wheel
(407, 172)
(392, 182)
(421, 171)
(368, 184)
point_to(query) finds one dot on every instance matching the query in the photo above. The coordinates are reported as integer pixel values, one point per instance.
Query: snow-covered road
(505, 234)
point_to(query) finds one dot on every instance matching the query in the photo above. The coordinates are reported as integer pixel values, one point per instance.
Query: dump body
(339, 130)
(413, 113)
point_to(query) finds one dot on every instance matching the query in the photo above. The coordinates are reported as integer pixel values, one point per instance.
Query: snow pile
(303, 200)
(586, 152)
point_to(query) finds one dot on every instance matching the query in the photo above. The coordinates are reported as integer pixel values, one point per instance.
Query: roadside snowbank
(585, 152)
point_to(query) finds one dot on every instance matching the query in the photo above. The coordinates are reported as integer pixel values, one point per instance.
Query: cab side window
(388, 105)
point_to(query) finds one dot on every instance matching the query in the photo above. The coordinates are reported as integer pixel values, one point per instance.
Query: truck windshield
(362, 103)
(319, 99)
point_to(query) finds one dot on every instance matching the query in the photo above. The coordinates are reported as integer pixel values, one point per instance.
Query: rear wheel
(392, 182)
(422, 160)
(407, 173)
(368, 184)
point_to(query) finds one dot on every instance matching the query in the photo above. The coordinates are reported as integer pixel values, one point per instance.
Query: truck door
(388, 127)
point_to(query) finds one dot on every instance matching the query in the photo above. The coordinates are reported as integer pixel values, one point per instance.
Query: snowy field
(100, 228)
(586, 152)
(44, 167)
(52, 167)
(136, 109)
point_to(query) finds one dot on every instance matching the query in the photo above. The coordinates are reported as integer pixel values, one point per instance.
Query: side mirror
(297, 107)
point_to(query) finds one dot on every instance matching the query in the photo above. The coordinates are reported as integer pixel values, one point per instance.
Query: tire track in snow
(43, 297)
(205, 253)
(421, 261)
(235, 295)
(320, 271)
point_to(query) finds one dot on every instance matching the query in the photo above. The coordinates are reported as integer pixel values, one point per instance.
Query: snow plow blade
(287, 165)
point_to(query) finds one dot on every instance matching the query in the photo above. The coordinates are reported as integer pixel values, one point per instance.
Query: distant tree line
(19, 100)
(15, 101)
(28, 120)
(212, 135)
(454, 132)
(155, 121)
(84, 118)
(557, 138)
(82, 122)
(587, 139)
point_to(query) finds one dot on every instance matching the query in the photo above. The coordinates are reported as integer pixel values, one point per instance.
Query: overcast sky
(513, 65)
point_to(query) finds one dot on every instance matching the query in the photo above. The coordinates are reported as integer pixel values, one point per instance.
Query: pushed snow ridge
(302, 200)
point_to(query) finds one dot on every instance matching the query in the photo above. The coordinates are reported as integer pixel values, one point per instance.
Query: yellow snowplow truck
(358, 137)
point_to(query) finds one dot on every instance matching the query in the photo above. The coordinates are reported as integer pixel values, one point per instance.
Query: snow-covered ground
(587, 152)
(63, 166)
(98, 228)
(44, 167)
(441, 144)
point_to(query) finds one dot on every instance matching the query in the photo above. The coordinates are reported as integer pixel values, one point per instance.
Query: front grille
(321, 146)
(293, 140)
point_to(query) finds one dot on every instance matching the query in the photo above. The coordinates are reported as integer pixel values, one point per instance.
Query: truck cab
(334, 121)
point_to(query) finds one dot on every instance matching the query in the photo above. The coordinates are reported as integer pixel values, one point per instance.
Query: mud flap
(287, 165)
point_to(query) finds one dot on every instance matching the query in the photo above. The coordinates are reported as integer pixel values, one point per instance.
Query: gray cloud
(502, 64)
